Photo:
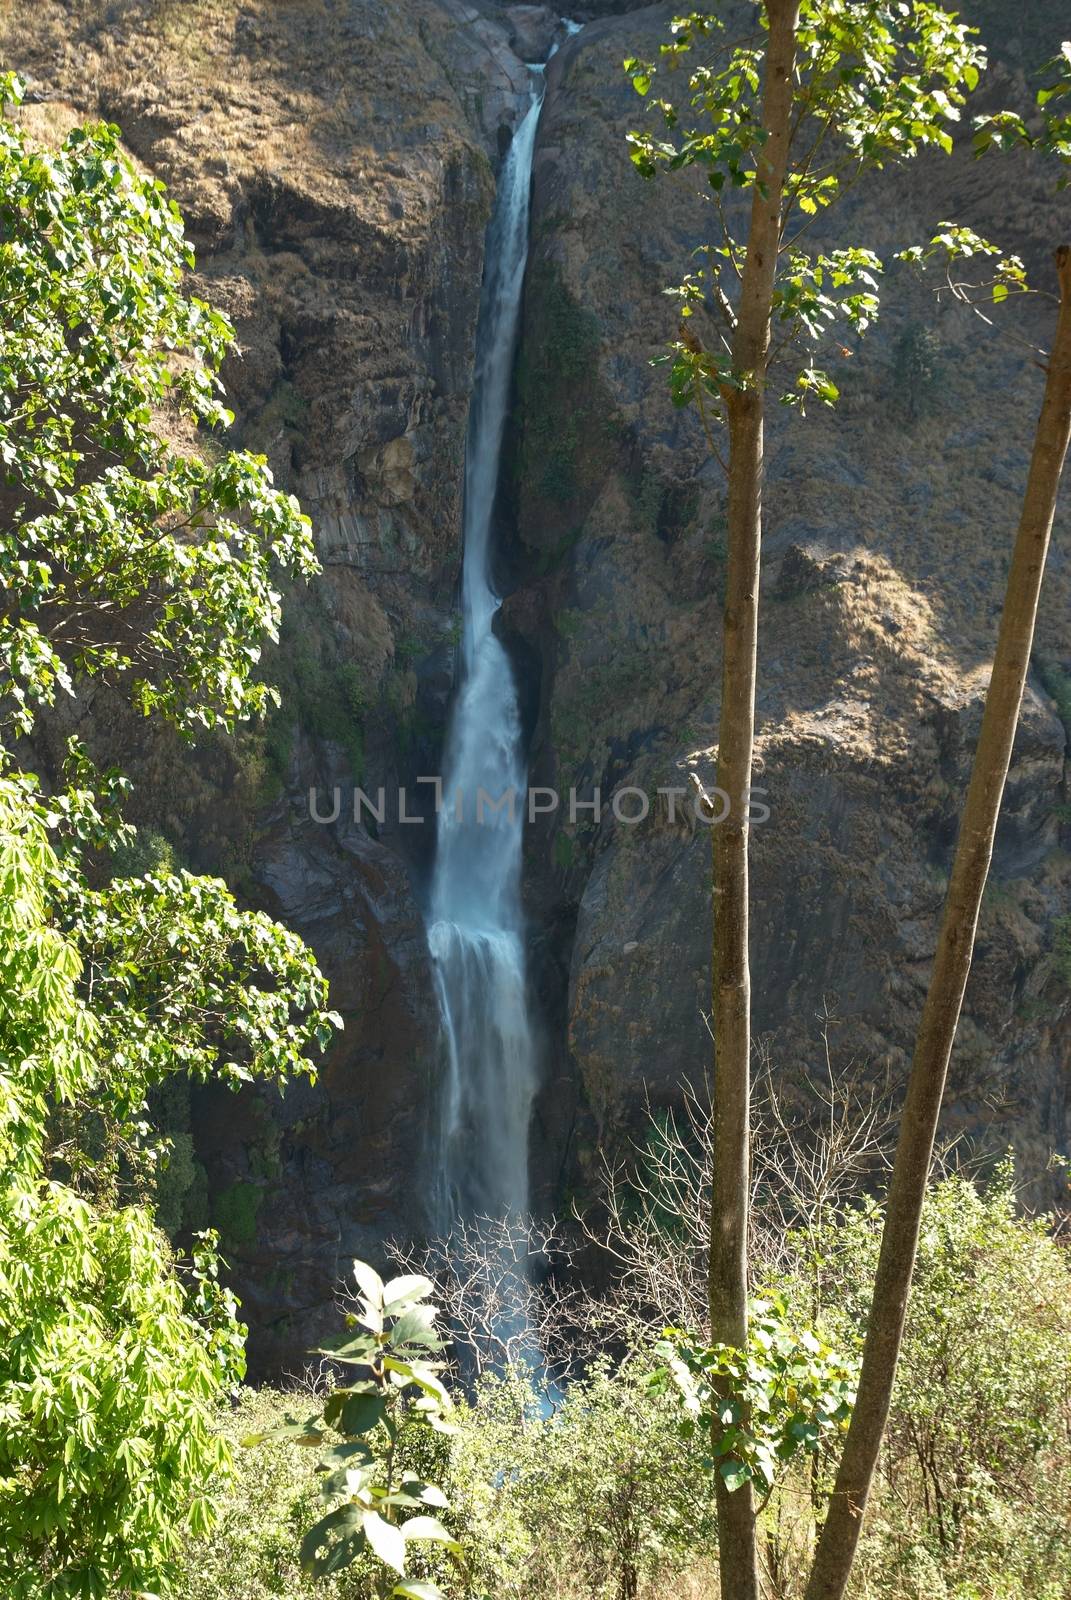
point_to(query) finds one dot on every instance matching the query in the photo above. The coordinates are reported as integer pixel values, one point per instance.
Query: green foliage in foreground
(977, 1472)
(108, 1390)
(594, 1495)
(764, 1407)
(377, 1505)
(109, 1365)
(125, 558)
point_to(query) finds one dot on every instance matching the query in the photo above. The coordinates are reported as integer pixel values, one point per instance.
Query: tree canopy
(121, 553)
(134, 551)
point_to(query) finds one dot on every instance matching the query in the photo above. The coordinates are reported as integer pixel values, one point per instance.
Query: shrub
(252, 1552)
(592, 1494)
(603, 1472)
(603, 1467)
(380, 1508)
(106, 1390)
(976, 1477)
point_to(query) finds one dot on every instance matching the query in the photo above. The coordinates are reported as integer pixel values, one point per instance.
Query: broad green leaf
(370, 1284)
(430, 1528)
(385, 1539)
(416, 1326)
(399, 1292)
(734, 1475)
(309, 1432)
(345, 1520)
(361, 1413)
(429, 1493)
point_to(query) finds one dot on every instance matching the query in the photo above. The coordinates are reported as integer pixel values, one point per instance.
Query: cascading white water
(476, 930)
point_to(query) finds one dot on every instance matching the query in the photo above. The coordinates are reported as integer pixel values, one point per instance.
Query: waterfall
(476, 929)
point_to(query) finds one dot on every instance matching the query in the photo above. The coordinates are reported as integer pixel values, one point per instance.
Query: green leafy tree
(821, 93)
(982, 1394)
(121, 554)
(109, 1364)
(972, 1491)
(129, 559)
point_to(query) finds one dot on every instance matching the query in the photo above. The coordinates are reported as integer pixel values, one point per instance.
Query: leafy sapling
(871, 83)
(376, 1504)
(766, 1406)
(122, 556)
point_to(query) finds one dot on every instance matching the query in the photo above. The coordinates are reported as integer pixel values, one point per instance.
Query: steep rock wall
(335, 165)
(335, 161)
(888, 527)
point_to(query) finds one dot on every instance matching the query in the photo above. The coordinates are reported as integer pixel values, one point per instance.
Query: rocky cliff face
(336, 163)
(888, 527)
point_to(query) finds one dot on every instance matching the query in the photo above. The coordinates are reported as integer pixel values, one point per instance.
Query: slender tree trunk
(952, 962)
(732, 983)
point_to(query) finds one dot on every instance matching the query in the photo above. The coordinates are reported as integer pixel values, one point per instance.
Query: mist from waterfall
(476, 930)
